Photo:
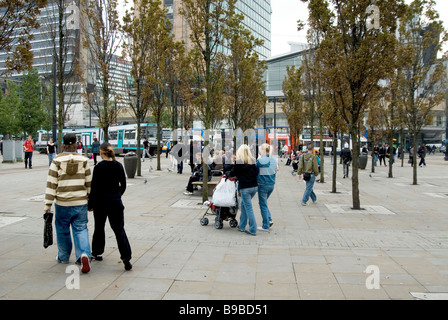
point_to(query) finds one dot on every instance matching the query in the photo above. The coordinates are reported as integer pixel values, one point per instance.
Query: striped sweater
(68, 181)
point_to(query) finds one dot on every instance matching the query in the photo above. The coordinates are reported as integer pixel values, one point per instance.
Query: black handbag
(307, 176)
(48, 229)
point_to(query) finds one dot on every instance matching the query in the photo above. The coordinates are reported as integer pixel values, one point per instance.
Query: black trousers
(114, 210)
(192, 179)
(28, 159)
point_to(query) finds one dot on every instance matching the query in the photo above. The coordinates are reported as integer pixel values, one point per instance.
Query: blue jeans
(77, 218)
(51, 157)
(309, 190)
(264, 191)
(247, 211)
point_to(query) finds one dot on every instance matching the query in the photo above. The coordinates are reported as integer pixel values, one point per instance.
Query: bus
(327, 141)
(123, 138)
(85, 134)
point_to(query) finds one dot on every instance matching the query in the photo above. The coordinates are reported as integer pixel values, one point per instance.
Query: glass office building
(257, 18)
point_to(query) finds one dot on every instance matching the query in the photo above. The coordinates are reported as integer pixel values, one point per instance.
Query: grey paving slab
(321, 251)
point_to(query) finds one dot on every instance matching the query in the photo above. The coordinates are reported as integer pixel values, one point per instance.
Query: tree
(18, 18)
(207, 22)
(160, 53)
(62, 23)
(30, 109)
(354, 58)
(422, 80)
(294, 105)
(138, 25)
(9, 114)
(102, 39)
(244, 78)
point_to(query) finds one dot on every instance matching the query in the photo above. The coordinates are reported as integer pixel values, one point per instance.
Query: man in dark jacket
(346, 155)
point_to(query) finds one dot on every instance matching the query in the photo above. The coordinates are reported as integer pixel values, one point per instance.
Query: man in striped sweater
(68, 184)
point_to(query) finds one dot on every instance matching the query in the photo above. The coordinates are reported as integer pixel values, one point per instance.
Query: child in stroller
(222, 213)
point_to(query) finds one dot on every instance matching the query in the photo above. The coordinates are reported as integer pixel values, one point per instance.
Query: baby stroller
(224, 204)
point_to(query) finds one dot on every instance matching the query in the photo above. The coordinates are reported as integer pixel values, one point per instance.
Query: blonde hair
(266, 149)
(243, 155)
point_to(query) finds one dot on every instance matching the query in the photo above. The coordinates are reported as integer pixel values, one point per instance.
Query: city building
(257, 18)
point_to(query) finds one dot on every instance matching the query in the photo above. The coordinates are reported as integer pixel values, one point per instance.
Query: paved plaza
(395, 248)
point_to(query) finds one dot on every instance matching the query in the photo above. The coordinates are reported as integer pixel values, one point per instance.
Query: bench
(211, 185)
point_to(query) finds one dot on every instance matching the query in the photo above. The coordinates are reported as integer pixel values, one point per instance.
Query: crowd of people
(75, 189)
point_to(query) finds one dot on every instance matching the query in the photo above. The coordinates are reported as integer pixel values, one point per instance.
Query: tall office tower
(75, 61)
(257, 18)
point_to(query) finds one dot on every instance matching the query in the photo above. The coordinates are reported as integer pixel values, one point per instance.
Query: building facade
(257, 18)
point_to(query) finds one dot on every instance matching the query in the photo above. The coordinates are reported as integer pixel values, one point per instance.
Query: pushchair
(223, 212)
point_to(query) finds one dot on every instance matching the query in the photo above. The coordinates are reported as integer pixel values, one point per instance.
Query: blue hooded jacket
(267, 170)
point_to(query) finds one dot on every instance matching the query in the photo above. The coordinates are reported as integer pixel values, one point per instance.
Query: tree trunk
(354, 131)
(414, 160)
(322, 152)
(335, 166)
(139, 162)
(391, 155)
(159, 133)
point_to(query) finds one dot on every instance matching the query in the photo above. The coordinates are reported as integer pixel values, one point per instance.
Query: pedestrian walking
(422, 155)
(80, 146)
(146, 150)
(376, 154)
(245, 169)
(51, 151)
(68, 184)
(382, 154)
(95, 150)
(267, 169)
(346, 155)
(108, 186)
(28, 147)
(180, 161)
(308, 167)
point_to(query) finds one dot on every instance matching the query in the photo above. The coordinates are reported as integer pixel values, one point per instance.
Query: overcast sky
(285, 14)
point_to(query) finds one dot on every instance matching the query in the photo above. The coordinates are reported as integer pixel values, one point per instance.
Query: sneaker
(59, 261)
(97, 257)
(85, 263)
(127, 265)
(304, 204)
(271, 223)
(262, 229)
(188, 193)
(248, 232)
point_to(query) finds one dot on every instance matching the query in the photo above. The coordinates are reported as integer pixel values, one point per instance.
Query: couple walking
(76, 191)
(254, 176)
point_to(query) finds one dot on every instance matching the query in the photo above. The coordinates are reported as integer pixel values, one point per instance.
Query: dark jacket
(246, 174)
(346, 155)
(108, 183)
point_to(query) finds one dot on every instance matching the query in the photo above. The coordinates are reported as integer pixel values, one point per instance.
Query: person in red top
(28, 147)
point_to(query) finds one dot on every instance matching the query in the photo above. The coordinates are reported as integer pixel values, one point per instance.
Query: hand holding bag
(48, 229)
